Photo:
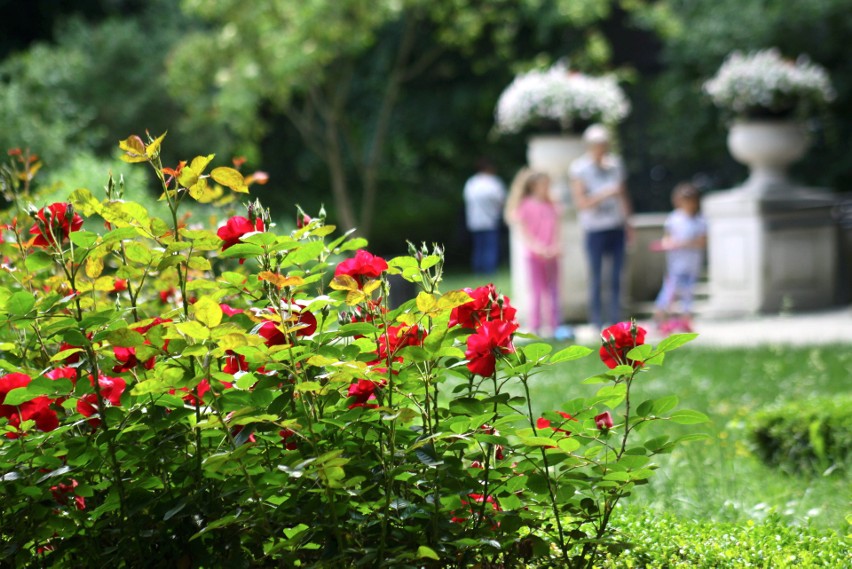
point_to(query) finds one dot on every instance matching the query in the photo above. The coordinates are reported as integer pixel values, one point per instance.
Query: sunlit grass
(718, 479)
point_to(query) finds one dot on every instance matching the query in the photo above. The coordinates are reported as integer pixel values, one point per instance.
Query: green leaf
(570, 353)
(84, 239)
(664, 404)
(640, 353)
(538, 441)
(20, 303)
(207, 311)
(675, 341)
(307, 252)
(535, 352)
(38, 260)
(688, 417)
(20, 395)
(125, 338)
(242, 250)
(193, 329)
(427, 552)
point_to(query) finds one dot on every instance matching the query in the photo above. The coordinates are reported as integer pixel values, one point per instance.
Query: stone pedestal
(553, 154)
(770, 251)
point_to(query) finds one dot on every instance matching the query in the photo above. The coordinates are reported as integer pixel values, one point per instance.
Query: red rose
(363, 391)
(619, 339)
(235, 228)
(543, 423)
(55, 221)
(234, 362)
(285, 435)
(196, 396)
(364, 264)
(228, 310)
(398, 337)
(37, 409)
(111, 390)
(486, 304)
(120, 285)
(61, 492)
(491, 338)
(604, 421)
(270, 331)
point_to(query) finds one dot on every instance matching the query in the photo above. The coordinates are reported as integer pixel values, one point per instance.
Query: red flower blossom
(120, 285)
(196, 396)
(543, 423)
(604, 421)
(286, 435)
(111, 390)
(486, 304)
(61, 492)
(168, 296)
(235, 228)
(302, 220)
(364, 264)
(229, 310)
(619, 339)
(127, 356)
(234, 362)
(398, 337)
(474, 509)
(270, 331)
(37, 409)
(62, 373)
(363, 391)
(55, 221)
(492, 338)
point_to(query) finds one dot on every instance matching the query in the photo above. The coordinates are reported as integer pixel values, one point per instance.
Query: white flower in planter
(557, 99)
(763, 83)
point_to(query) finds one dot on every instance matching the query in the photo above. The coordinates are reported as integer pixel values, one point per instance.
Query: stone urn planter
(768, 147)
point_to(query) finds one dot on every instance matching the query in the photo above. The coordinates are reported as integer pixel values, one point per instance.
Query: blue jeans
(600, 244)
(486, 251)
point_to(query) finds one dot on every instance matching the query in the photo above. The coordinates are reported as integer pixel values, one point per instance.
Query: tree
(337, 69)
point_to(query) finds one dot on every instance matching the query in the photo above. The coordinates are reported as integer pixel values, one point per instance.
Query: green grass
(455, 280)
(720, 479)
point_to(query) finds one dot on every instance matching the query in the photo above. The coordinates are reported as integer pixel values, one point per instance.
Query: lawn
(720, 479)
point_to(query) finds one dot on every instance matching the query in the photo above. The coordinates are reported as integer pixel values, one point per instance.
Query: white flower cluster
(559, 96)
(765, 80)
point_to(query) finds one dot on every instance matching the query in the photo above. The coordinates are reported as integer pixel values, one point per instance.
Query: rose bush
(165, 405)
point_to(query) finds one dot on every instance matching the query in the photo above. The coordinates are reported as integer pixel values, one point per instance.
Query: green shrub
(671, 542)
(812, 435)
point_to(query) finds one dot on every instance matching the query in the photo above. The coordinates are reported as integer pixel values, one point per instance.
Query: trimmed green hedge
(664, 541)
(807, 436)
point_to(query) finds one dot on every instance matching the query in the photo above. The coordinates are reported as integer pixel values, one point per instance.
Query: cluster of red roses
(492, 318)
(363, 267)
(42, 410)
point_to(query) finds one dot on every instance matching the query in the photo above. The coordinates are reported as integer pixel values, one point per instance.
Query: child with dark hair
(684, 241)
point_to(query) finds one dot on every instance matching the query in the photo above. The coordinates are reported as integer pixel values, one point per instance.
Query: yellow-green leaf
(207, 311)
(230, 178)
(425, 301)
(154, 148)
(134, 149)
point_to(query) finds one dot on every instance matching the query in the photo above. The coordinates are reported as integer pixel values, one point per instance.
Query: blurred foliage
(391, 102)
(687, 134)
(345, 74)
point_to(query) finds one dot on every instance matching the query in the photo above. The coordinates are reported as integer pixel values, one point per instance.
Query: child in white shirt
(684, 242)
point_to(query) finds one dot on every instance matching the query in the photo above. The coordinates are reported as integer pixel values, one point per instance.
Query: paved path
(826, 327)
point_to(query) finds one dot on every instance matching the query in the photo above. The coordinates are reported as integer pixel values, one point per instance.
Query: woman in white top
(600, 194)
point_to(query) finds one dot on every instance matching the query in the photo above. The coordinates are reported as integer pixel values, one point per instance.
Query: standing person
(684, 241)
(600, 194)
(484, 194)
(538, 217)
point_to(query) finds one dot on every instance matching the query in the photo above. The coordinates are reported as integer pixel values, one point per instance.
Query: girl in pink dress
(538, 217)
